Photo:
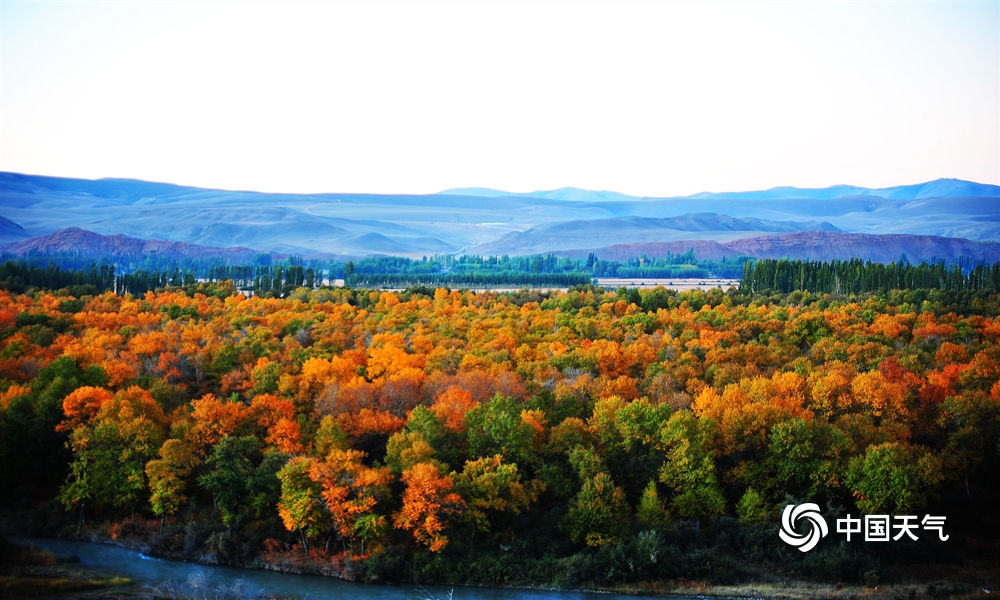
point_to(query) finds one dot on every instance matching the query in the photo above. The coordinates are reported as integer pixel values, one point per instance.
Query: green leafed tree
(689, 468)
(492, 489)
(806, 459)
(751, 507)
(496, 427)
(168, 477)
(242, 481)
(651, 511)
(301, 506)
(599, 514)
(110, 453)
(891, 478)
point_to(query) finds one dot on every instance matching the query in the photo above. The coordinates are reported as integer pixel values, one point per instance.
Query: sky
(651, 98)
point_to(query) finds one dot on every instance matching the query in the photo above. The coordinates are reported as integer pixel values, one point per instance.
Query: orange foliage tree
(428, 505)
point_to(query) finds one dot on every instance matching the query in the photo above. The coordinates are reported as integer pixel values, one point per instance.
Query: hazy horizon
(491, 191)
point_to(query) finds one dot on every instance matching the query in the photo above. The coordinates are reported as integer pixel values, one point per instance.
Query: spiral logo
(804, 541)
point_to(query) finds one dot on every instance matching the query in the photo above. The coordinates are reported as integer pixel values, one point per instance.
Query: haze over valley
(944, 219)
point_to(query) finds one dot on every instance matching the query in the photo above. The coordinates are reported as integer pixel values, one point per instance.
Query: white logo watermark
(802, 541)
(876, 528)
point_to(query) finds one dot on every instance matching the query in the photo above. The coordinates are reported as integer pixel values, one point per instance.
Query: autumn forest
(589, 437)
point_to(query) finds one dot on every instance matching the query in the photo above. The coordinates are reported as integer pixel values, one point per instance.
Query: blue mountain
(479, 220)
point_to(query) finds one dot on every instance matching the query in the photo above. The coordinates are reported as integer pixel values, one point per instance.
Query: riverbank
(27, 571)
(72, 582)
(720, 567)
(804, 590)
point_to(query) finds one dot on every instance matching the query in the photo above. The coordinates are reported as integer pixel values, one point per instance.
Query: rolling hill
(87, 244)
(807, 245)
(558, 237)
(814, 223)
(884, 248)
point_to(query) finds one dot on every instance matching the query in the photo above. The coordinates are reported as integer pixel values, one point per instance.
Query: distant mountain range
(942, 219)
(566, 235)
(807, 245)
(939, 188)
(74, 240)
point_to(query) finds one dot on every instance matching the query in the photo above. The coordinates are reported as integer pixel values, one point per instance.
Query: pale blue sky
(650, 98)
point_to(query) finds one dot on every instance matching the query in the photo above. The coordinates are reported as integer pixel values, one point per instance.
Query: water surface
(175, 578)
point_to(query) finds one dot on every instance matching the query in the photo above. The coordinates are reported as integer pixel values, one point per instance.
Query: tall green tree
(301, 505)
(492, 489)
(168, 477)
(598, 514)
(689, 468)
(496, 427)
(243, 481)
(891, 478)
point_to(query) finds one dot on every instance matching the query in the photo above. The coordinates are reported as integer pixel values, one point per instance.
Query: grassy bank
(26, 571)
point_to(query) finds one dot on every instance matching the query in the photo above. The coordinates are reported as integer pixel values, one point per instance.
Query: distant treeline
(856, 276)
(683, 265)
(262, 275)
(18, 275)
(465, 271)
(472, 280)
(541, 269)
(265, 275)
(279, 278)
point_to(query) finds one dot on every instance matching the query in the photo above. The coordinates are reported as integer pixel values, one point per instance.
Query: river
(161, 577)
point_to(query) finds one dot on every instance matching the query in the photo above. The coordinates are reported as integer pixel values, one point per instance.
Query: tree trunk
(79, 522)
